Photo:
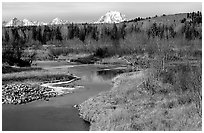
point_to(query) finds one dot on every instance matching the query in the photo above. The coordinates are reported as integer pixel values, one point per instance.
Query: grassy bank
(34, 76)
(138, 101)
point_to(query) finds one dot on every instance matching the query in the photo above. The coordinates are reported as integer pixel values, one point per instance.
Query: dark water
(58, 113)
(108, 74)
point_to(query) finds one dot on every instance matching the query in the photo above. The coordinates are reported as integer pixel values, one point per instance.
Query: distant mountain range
(26, 22)
(109, 17)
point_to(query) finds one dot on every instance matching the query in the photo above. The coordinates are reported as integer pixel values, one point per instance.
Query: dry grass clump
(140, 102)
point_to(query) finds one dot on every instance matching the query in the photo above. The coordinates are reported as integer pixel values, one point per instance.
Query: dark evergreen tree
(15, 34)
(114, 33)
(122, 31)
(94, 33)
(71, 31)
(47, 34)
(154, 30)
(34, 33)
(172, 32)
(115, 37)
(39, 34)
(76, 31)
(183, 20)
(188, 15)
(82, 34)
(6, 36)
(58, 34)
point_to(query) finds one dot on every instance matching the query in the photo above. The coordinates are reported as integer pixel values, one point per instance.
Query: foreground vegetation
(140, 102)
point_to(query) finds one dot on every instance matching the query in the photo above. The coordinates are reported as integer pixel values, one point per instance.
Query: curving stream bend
(58, 114)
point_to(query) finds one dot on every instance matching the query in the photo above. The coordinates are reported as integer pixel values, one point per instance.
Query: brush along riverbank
(139, 102)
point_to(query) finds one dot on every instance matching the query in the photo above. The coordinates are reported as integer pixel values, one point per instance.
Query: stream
(58, 114)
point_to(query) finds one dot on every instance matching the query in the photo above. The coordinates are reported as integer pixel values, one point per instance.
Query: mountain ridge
(111, 17)
(25, 22)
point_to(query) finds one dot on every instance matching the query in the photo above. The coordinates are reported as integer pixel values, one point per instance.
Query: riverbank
(138, 102)
(24, 93)
(61, 90)
(58, 114)
(24, 85)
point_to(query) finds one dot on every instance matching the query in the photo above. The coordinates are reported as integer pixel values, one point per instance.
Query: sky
(90, 11)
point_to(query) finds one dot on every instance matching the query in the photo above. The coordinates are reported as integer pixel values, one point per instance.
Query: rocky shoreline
(20, 93)
(25, 93)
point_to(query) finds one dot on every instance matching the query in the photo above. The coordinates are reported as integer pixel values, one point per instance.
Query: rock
(76, 106)
(24, 93)
(46, 99)
(19, 101)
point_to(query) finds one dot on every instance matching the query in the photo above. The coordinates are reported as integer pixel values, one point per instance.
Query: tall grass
(35, 76)
(185, 79)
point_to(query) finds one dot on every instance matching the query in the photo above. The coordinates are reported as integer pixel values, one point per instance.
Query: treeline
(43, 34)
(189, 31)
(196, 17)
(138, 19)
(16, 39)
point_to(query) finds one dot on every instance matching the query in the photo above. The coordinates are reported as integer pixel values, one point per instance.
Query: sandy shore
(65, 66)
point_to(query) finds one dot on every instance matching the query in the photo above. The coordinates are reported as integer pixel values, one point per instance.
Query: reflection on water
(108, 74)
(58, 113)
(100, 76)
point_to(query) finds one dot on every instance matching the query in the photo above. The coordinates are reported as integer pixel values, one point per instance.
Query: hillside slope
(133, 105)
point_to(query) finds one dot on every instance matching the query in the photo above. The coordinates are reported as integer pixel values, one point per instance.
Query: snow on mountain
(57, 21)
(14, 22)
(112, 17)
(109, 17)
(4, 23)
(37, 23)
(26, 22)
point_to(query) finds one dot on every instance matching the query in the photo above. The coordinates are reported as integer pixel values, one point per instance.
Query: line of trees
(43, 34)
(196, 17)
(16, 39)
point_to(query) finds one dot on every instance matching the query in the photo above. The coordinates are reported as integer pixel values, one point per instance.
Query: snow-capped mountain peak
(112, 17)
(13, 22)
(37, 23)
(57, 21)
(26, 22)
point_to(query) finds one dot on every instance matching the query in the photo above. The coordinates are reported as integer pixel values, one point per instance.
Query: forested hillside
(138, 35)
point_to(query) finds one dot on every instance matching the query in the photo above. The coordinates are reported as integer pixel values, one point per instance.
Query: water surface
(58, 113)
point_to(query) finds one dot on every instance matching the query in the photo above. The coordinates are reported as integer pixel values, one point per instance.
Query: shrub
(101, 52)
(57, 51)
(105, 52)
